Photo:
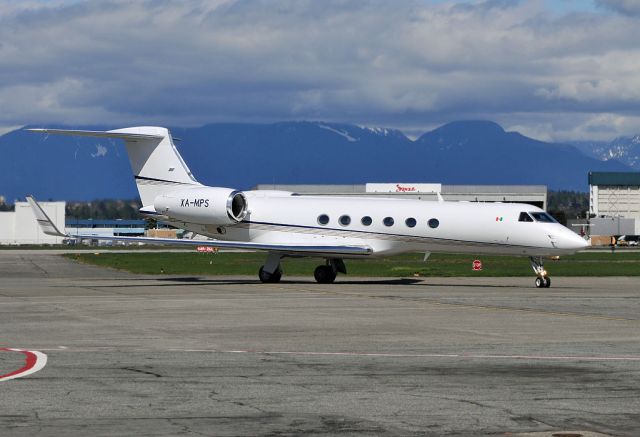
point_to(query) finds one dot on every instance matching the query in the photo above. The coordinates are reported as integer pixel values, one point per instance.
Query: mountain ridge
(242, 155)
(625, 149)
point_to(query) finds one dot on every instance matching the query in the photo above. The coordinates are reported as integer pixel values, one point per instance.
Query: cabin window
(433, 223)
(323, 219)
(524, 217)
(410, 222)
(542, 217)
(388, 221)
(366, 220)
(344, 220)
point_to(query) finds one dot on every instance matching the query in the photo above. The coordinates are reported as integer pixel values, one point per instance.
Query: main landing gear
(270, 278)
(542, 280)
(326, 274)
(271, 272)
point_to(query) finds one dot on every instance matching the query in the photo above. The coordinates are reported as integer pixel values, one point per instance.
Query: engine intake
(206, 205)
(237, 206)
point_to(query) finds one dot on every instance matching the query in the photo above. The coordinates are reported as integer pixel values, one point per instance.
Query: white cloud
(570, 126)
(408, 64)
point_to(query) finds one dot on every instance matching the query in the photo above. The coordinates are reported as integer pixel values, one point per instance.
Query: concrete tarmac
(228, 356)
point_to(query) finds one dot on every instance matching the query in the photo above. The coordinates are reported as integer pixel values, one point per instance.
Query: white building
(531, 194)
(614, 203)
(20, 226)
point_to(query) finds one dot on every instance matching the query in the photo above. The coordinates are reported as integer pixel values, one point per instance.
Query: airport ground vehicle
(627, 240)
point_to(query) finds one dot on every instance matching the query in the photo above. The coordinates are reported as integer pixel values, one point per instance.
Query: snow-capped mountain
(242, 155)
(624, 149)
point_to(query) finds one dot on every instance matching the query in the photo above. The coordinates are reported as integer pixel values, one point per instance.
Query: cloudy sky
(555, 70)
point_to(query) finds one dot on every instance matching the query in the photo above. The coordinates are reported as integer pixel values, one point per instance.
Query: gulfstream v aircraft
(334, 228)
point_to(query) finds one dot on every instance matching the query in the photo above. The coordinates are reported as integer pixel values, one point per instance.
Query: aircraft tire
(269, 278)
(324, 275)
(543, 282)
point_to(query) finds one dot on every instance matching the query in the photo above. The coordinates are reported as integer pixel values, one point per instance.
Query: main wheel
(539, 282)
(324, 274)
(269, 278)
(547, 282)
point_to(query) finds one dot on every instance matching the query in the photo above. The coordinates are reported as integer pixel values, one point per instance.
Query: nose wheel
(542, 280)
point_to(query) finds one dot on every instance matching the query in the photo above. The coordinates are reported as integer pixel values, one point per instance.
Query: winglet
(47, 226)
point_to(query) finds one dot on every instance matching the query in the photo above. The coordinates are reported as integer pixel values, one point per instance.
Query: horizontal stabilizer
(157, 165)
(99, 134)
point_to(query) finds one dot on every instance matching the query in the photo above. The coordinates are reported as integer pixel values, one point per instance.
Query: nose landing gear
(542, 280)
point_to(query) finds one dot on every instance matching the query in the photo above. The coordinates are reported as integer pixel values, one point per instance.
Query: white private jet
(334, 228)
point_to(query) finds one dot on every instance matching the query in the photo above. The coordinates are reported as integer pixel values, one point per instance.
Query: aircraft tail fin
(156, 163)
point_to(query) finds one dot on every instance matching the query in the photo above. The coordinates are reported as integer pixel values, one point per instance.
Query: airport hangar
(531, 194)
(20, 226)
(614, 203)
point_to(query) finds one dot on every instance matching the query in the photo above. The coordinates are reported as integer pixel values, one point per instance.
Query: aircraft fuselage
(392, 226)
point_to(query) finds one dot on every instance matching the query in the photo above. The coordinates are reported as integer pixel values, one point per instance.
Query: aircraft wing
(49, 228)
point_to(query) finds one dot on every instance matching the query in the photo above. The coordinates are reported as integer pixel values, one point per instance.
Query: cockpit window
(542, 217)
(524, 217)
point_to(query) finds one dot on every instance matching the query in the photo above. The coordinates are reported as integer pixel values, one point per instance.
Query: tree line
(562, 205)
(104, 209)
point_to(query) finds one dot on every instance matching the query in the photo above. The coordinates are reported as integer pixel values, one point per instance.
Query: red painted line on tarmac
(33, 362)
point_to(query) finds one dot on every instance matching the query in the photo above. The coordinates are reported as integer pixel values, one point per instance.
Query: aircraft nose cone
(571, 240)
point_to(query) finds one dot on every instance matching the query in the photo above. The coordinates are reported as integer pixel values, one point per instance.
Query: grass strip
(408, 265)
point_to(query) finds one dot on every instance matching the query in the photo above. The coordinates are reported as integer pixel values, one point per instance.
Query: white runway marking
(34, 361)
(466, 356)
(401, 355)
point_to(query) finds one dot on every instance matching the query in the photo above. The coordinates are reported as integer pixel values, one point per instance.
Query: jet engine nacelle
(203, 205)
